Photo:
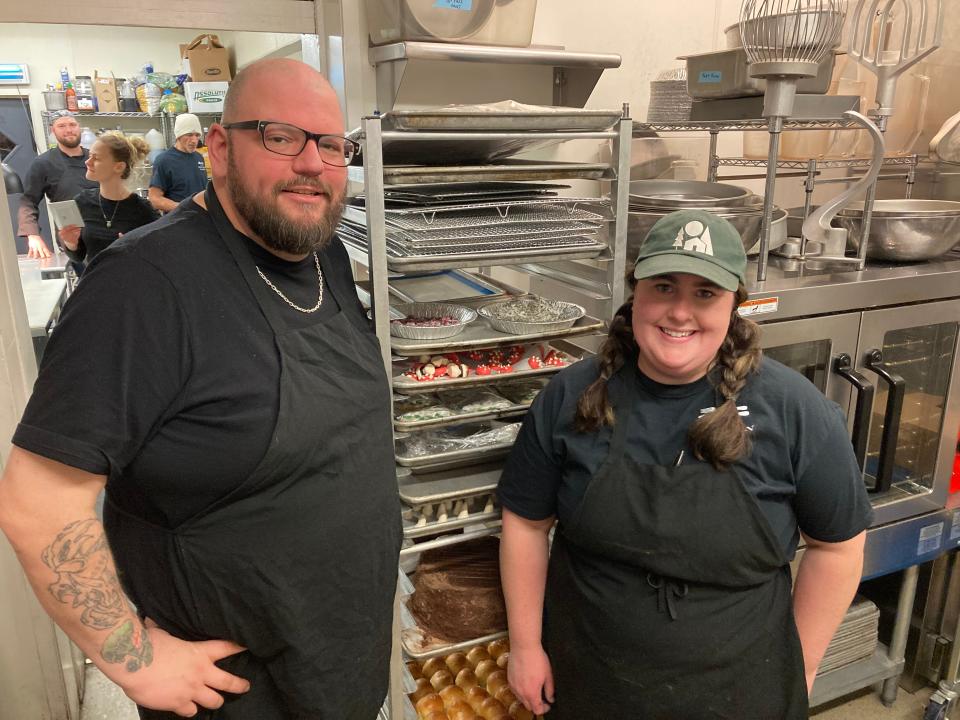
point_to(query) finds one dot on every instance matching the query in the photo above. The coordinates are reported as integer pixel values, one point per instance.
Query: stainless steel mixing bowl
(686, 194)
(904, 230)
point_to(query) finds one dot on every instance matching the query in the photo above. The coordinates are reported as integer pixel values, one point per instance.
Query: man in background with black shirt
(216, 373)
(59, 174)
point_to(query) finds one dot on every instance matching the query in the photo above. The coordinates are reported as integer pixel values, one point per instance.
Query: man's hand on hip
(181, 676)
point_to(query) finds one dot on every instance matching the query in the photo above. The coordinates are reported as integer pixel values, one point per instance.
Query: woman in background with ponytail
(110, 210)
(682, 468)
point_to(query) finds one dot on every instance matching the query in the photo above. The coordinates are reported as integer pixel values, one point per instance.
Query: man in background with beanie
(178, 172)
(58, 174)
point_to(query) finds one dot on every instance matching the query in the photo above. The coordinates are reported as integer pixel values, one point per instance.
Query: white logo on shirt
(742, 410)
(694, 237)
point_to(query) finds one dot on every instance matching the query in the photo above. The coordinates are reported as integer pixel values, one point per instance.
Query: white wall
(84, 49)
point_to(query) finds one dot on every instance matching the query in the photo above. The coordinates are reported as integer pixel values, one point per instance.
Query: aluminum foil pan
(431, 310)
(531, 315)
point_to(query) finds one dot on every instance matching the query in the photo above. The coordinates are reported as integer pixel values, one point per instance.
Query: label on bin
(710, 76)
(955, 527)
(930, 537)
(454, 4)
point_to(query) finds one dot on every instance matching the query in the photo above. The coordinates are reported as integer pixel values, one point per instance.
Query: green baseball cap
(696, 242)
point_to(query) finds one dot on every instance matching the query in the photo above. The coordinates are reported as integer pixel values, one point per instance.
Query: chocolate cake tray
(520, 369)
(480, 334)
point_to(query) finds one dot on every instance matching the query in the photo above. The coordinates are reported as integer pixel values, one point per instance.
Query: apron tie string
(668, 593)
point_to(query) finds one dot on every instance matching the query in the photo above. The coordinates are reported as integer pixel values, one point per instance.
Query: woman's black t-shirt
(124, 215)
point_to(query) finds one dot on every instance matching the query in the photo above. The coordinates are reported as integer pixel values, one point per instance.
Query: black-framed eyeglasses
(289, 140)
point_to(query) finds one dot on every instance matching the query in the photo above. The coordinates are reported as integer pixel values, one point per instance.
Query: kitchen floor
(104, 701)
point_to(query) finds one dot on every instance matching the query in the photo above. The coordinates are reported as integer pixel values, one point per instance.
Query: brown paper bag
(105, 89)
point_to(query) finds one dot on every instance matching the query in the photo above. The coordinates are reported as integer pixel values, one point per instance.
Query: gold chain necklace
(287, 300)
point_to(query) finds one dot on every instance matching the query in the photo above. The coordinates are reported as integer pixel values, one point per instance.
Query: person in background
(178, 172)
(110, 210)
(682, 467)
(215, 371)
(58, 174)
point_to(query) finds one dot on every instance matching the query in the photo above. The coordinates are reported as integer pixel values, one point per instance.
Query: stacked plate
(669, 101)
(855, 639)
(651, 200)
(467, 220)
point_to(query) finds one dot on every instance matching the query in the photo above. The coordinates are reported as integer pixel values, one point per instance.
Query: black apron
(669, 597)
(299, 562)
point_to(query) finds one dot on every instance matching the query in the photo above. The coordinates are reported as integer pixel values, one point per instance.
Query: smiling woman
(681, 468)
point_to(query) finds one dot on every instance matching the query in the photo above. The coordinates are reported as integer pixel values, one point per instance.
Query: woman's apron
(298, 563)
(669, 597)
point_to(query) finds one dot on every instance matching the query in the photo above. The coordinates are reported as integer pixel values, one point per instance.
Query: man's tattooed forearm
(85, 580)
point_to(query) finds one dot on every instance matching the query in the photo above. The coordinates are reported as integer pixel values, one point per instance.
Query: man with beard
(214, 371)
(58, 174)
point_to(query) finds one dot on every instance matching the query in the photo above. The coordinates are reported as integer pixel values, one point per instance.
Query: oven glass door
(911, 353)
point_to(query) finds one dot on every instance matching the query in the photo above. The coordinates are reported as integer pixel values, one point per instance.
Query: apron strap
(622, 407)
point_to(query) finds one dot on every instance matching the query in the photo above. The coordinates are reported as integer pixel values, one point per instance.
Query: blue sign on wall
(14, 74)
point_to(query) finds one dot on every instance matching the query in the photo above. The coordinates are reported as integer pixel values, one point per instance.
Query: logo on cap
(694, 237)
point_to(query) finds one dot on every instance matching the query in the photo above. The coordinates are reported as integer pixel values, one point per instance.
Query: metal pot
(54, 100)
(904, 230)
(686, 194)
(747, 224)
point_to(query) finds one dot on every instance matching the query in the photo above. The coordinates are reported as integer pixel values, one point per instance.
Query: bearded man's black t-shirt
(163, 373)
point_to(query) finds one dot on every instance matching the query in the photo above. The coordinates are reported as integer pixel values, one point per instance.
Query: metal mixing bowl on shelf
(527, 316)
(904, 230)
(426, 311)
(686, 194)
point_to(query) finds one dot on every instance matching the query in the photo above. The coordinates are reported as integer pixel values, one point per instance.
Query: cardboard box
(105, 88)
(205, 59)
(205, 97)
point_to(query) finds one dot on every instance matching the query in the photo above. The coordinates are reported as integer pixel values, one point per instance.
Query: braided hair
(718, 437)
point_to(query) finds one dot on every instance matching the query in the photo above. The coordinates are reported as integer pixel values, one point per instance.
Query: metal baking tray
(507, 412)
(521, 370)
(509, 170)
(479, 334)
(480, 509)
(454, 458)
(449, 485)
(503, 207)
(552, 120)
(492, 233)
(417, 644)
(447, 192)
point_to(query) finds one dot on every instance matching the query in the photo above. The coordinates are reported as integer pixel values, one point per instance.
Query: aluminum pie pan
(517, 327)
(465, 315)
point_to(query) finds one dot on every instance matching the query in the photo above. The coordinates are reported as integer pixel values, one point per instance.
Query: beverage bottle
(71, 97)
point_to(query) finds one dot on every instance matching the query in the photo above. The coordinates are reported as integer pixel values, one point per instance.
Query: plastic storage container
(485, 22)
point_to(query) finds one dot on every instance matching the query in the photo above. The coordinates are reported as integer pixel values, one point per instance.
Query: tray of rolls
(466, 685)
(479, 367)
(449, 500)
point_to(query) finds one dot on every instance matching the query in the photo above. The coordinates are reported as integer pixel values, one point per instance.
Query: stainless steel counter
(794, 290)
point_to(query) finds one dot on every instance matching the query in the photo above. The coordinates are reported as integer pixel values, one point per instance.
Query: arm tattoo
(85, 579)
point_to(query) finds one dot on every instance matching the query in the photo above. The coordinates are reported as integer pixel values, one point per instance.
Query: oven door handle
(843, 366)
(891, 419)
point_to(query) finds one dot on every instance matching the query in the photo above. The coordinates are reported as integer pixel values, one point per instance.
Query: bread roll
(423, 688)
(477, 655)
(519, 712)
(441, 679)
(497, 648)
(493, 709)
(484, 669)
(432, 665)
(451, 695)
(436, 715)
(457, 662)
(466, 678)
(428, 704)
(496, 680)
(506, 696)
(475, 696)
(462, 712)
(503, 660)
